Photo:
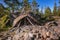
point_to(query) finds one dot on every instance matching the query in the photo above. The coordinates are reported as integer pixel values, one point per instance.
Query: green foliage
(55, 9)
(34, 3)
(35, 7)
(4, 17)
(58, 12)
(26, 5)
(58, 9)
(47, 12)
(12, 4)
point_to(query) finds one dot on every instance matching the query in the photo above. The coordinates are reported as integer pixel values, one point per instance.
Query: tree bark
(18, 19)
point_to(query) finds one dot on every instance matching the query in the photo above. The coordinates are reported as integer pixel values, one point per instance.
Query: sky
(46, 3)
(42, 3)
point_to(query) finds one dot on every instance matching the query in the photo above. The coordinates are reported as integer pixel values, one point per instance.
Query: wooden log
(30, 21)
(18, 19)
(14, 15)
(33, 19)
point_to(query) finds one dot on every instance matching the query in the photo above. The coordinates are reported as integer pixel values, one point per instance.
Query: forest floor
(50, 31)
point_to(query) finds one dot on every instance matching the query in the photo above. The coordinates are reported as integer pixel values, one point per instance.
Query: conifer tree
(12, 4)
(35, 7)
(59, 9)
(47, 12)
(55, 9)
(26, 5)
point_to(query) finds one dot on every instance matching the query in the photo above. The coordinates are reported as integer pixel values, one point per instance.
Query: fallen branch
(33, 18)
(30, 21)
(18, 19)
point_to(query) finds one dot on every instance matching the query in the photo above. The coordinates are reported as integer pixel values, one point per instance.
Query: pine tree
(26, 5)
(47, 12)
(55, 9)
(35, 7)
(59, 9)
(12, 4)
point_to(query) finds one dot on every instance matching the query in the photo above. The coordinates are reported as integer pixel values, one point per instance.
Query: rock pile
(35, 32)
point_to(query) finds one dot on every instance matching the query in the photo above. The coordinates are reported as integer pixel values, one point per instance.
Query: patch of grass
(4, 29)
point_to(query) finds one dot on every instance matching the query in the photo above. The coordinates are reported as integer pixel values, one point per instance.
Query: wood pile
(35, 32)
